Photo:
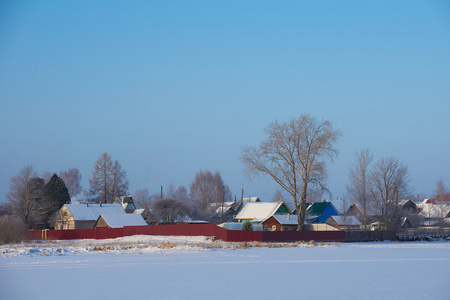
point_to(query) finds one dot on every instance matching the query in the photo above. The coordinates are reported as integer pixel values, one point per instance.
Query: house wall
(332, 222)
(270, 223)
(101, 223)
(64, 220)
(84, 224)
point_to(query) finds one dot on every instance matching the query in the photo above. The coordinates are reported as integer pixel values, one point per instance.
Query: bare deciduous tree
(108, 180)
(440, 205)
(46, 176)
(119, 182)
(72, 180)
(277, 196)
(169, 211)
(142, 197)
(26, 192)
(207, 189)
(179, 194)
(358, 186)
(389, 183)
(294, 156)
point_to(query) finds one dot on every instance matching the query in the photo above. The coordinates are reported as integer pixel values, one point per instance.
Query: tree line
(295, 154)
(34, 199)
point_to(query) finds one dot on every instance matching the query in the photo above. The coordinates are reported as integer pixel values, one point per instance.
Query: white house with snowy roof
(257, 212)
(435, 211)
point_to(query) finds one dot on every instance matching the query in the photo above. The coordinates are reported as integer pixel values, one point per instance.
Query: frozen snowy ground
(197, 268)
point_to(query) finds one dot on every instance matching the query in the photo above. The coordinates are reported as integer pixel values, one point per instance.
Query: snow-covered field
(151, 267)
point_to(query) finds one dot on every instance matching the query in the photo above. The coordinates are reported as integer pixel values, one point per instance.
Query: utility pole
(161, 192)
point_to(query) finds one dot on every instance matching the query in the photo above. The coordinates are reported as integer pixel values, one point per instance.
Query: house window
(274, 227)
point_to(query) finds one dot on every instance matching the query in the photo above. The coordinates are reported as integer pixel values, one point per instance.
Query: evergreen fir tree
(56, 195)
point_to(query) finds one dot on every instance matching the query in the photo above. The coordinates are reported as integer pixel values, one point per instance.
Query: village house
(344, 222)
(408, 207)
(280, 223)
(84, 216)
(354, 210)
(119, 220)
(224, 211)
(319, 212)
(435, 211)
(257, 212)
(128, 204)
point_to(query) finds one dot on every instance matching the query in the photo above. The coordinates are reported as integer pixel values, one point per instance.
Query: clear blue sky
(172, 87)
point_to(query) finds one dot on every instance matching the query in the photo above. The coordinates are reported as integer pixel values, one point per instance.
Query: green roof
(316, 208)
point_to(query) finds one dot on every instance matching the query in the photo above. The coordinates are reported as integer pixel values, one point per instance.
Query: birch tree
(295, 156)
(358, 187)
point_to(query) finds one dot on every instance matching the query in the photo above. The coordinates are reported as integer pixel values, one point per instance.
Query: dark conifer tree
(56, 195)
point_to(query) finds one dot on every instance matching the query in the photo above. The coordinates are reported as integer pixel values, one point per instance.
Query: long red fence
(189, 230)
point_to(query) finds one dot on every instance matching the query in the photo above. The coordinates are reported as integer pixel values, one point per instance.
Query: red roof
(439, 198)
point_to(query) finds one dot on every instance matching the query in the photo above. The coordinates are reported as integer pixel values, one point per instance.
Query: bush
(247, 226)
(12, 229)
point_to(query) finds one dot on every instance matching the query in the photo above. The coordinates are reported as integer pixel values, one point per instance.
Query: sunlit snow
(158, 267)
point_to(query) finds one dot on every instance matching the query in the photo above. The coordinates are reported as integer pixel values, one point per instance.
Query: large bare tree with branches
(389, 183)
(358, 187)
(295, 156)
(25, 197)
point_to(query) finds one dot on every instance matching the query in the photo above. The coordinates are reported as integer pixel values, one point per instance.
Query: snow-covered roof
(91, 212)
(225, 204)
(231, 226)
(346, 220)
(258, 210)
(121, 220)
(286, 219)
(433, 210)
(217, 207)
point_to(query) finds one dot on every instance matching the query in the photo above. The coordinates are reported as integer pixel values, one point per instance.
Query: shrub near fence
(189, 230)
